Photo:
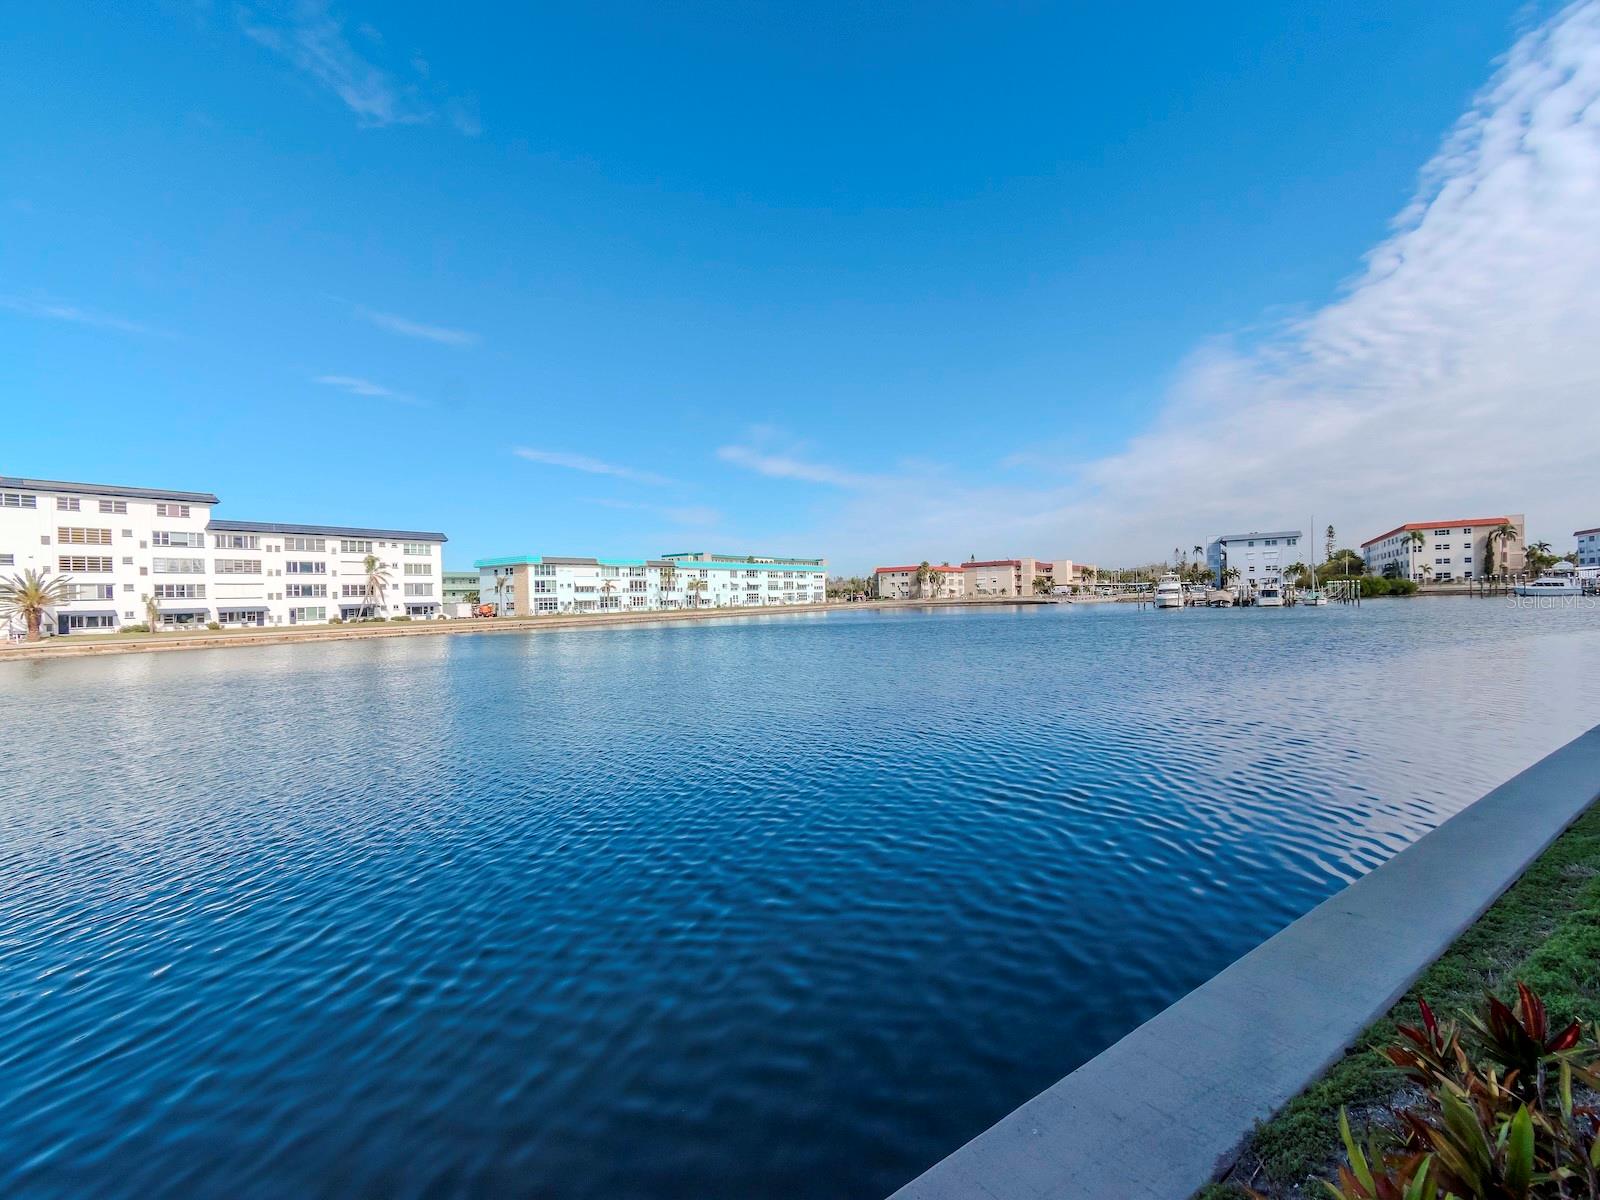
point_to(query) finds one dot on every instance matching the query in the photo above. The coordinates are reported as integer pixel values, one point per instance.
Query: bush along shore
(1481, 1082)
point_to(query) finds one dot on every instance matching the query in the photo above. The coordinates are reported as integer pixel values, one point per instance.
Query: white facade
(1445, 551)
(121, 547)
(530, 585)
(1258, 557)
(1588, 547)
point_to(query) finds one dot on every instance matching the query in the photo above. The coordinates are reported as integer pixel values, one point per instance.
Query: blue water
(781, 906)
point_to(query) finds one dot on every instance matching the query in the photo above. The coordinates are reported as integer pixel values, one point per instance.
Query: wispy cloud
(313, 40)
(49, 310)
(356, 386)
(1456, 374)
(406, 327)
(592, 466)
(762, 458)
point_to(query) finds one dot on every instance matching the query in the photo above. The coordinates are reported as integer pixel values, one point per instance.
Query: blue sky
(876, 282)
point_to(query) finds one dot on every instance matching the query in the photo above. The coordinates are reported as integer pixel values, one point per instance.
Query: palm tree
(924, 576)
(1041, 584)
(1231, 575)
(28, 596)
(499, 595)
(152, 614)
(1296, 571)
(694, 587)
(1415, 540)
(1500, 535)
(377, 582)
(669, 576)
(1328, 544)
(607, 586)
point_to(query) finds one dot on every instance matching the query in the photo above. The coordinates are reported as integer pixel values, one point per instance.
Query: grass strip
(1544, 930)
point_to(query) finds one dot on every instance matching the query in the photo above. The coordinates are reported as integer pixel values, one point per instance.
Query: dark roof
(105, 489)
(393, 535)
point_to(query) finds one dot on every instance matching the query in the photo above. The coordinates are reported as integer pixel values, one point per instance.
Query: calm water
(773, 907)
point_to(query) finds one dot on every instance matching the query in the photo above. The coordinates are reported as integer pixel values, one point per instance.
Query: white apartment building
(900, 583)
(531, 584)
(1588, 547)
(1258, 557)
(120, 547)
(1445, 551)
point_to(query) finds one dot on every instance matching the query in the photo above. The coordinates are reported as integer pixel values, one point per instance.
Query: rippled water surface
(784, 906)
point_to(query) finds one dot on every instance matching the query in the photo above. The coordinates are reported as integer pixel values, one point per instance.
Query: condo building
(901, 583)
(1015, 576)
(531, 584)
(1588, 547)
(121, 548)
(1444, 551)
(1258, 557)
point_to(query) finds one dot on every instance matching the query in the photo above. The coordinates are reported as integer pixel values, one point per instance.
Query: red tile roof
(1474, 521)
(886, 570)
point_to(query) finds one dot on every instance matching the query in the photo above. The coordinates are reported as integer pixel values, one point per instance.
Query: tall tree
(377, 583)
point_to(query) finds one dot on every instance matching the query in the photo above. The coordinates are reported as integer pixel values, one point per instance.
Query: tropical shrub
(213, 625)
(141, 627)
(1504, 1115)
(1383, 585)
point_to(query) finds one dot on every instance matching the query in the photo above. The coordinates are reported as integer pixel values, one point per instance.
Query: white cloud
(310, 37)
(416, 329)
(49, 310)
(779, 465)
(356, 386)
(1458, 374)
(592, 466)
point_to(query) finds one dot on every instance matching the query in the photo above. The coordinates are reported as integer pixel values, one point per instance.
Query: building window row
(163, 510)
(84, 564)
(178, 566)
(237, 566)
(72, 535)
(180, 591)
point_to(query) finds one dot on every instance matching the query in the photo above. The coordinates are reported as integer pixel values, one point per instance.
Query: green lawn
(1544, 931)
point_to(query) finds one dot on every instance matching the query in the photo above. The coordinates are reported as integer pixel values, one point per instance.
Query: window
(417, 548)
(18, 500)
(178, 566)
(306, 544)
(67, 504)
(307, 591)
(180, 591)
(237, 541)
(76, 536)
(419, 589)
(238, 616)
(354, 591)
(1441, 533)
(299, 616)
(542, 569)
(169, 510)
(354, 546)
(91, 591)
(305, 568)
(237, 566)
(167, 537)
(89, 621)
(425, 569)
(8, 560)
(78, 562)
(120, 507)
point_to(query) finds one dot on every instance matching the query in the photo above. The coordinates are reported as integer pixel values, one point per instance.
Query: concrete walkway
(1156, 1116)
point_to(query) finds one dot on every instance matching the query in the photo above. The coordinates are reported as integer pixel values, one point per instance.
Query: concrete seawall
(1160, 1113)
(80, 645)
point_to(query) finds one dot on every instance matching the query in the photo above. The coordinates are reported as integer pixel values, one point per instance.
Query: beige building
(1016, 576)
(900, 583)
(1447, 551)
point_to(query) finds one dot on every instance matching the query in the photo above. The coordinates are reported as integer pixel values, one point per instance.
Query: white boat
(1551, 585)
(1269, 595)
(1314, 597)
(1169, 592)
